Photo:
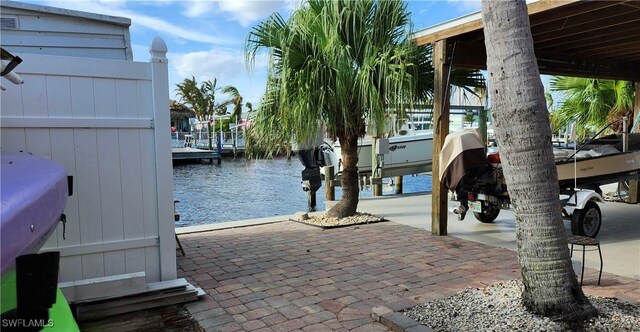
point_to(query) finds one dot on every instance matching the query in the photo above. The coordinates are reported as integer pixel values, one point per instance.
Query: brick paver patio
(290, 277)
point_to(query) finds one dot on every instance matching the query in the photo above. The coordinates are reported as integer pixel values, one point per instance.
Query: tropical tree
(236, 101)
(202, 99)
(196, 96)
(592, 103)
(521, 124)
(338, 65)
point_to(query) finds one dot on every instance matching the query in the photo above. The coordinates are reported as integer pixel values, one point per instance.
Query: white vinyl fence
(107, 122)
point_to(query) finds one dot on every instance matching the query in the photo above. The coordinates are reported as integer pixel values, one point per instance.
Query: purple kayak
(34, 194)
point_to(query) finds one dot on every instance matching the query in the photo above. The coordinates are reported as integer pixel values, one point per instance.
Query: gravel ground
(498, 308)
(321, 220)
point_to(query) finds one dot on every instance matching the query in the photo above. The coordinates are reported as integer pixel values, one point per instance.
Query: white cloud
(174, 30)
(113, 3)
(466, 6)
(149, 22)
(244, 12)
(197, 8)
(206, 65)
(247, 12)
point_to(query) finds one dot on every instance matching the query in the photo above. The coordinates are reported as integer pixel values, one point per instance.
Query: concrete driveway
(619, 235)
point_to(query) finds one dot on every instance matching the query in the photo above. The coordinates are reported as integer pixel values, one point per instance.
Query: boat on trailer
(581, 172)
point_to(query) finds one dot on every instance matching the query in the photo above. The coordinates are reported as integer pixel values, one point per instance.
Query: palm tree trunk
(349, 179)
(523, 132)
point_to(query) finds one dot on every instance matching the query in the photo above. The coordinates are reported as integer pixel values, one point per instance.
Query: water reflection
(245, 189)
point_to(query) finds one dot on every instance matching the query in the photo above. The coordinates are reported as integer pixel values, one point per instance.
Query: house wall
(28, 28)
(106, 122)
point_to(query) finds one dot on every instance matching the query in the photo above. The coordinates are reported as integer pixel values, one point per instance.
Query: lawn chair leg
(179, 245)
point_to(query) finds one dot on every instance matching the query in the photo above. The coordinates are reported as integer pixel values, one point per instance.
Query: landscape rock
(499, 307)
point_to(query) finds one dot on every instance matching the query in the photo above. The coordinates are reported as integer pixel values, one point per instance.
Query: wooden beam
(571, 11)
(625, 22)
(633, 4)
(617, 51)
(604, 34)
(476, 23)
(601, 44)
(553, 66)
(439, 212)
(593, 21)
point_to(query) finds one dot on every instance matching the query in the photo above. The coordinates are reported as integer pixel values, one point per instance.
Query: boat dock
(195, 154)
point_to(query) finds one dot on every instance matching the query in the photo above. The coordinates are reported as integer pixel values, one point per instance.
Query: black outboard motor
(312, 159)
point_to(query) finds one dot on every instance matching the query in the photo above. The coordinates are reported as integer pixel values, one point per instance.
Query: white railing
(201, 140)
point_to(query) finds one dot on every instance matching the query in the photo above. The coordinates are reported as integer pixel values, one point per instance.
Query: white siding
(98, 118)
(55, 31)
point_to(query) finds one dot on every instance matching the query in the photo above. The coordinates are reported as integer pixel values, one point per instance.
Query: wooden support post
(376, 173)
(636, 108)
(376, 189)
(634, 188)
(439, 212)
(329, 189)
(398, 184)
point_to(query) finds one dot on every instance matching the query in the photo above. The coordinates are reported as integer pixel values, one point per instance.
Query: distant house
(87, 105)
(34, 29)
(180, 115)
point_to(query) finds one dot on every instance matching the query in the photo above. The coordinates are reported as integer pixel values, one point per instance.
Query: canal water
(246, 189)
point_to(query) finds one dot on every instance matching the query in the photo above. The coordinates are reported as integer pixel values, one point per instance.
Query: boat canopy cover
(461, 151)
(34, 194)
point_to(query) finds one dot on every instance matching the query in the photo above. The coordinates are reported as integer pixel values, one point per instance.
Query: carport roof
(599, 39)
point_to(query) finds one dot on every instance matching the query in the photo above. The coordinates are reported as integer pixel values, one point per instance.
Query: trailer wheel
(587, 221)
(489, 213)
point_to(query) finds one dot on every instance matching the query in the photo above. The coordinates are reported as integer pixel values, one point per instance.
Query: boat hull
(407, 155)
(34, 194)
(599, 170)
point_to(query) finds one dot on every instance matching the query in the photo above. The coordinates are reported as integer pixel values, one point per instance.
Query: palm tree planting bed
(325, 222)
(498, 307)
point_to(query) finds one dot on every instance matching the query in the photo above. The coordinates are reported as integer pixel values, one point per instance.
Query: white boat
(601, 163)
(408, 154)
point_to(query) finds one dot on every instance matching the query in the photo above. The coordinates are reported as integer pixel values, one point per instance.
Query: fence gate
(107, 122)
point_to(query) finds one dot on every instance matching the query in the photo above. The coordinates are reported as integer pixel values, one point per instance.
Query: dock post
(329, 189)
(219, 145)
(376, 188)
(376, 171)
(399, 184)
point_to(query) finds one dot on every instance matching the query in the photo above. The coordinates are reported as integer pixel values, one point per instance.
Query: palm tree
(203, 99)
(191, 94)
(523, 132)
(235, 100)
(338, 65)
(592, 103)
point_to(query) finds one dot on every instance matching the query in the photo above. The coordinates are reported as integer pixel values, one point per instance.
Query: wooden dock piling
(329, 189)
(399, 184)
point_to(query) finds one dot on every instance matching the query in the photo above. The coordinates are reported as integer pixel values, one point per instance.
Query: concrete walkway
(286, 276)
(619, 234)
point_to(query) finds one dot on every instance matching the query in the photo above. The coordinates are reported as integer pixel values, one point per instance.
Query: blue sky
(206, 38)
